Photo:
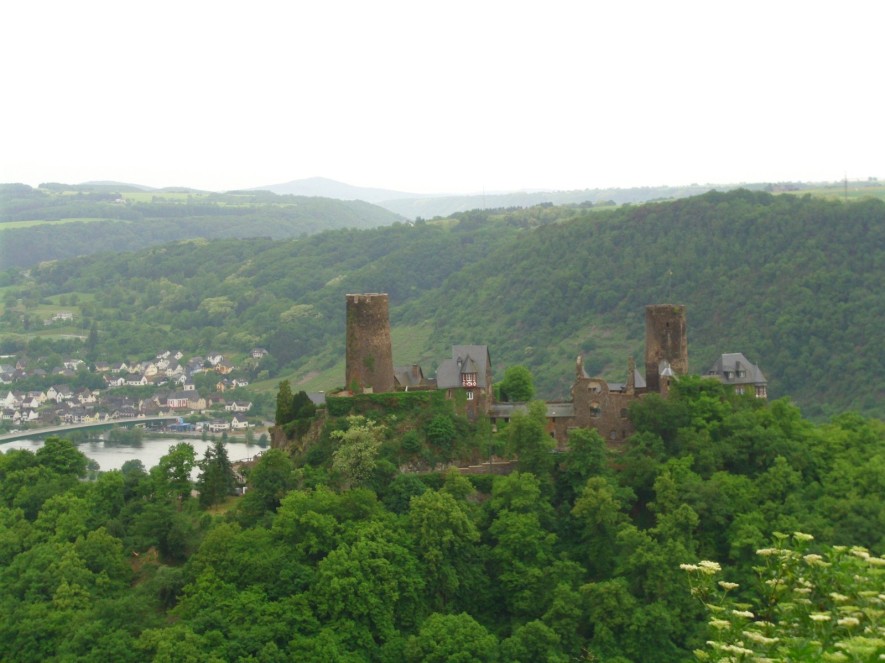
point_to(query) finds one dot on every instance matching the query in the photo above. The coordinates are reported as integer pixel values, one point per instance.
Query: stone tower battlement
(369, 355)
(665, 342)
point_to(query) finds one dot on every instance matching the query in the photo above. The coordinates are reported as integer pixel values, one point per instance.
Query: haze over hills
(328, 188)
(427, 205)
(61, 221)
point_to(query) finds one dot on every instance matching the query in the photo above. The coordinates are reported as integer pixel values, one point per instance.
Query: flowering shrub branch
(827, 605)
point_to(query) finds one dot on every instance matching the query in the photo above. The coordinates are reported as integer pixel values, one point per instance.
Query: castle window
(739, 390)
(468, 379)
(761, 391)
(595, 410)
(469, 395)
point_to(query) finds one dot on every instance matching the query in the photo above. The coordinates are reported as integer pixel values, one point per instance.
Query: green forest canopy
(581, 560)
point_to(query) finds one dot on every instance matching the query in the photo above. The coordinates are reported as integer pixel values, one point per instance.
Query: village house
(195, 401)
(174, 370)
(178, 401)
(114, 380)
(85, 396)
(59, 393)
(224, 367)
(137, 380)
(33, 399)
(7, 373)
(10, 400)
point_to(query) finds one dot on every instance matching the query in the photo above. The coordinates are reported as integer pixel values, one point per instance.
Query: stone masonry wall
(665, 340)
(369, 356)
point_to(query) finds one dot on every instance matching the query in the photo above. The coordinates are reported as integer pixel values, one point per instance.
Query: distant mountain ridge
(327, 188)
(430, 205)
(58, 221)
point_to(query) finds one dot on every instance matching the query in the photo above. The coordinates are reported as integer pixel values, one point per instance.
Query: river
(148, 451)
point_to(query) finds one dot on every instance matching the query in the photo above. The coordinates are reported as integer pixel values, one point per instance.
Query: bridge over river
(32, 433)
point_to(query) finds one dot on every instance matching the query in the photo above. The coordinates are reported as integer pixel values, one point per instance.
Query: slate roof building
(468, 371)
(410, 378)
(735, 369)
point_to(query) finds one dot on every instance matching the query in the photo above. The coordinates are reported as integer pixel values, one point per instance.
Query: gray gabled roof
(465, 359)
(638, 382)
(409, 376)
(731, 363)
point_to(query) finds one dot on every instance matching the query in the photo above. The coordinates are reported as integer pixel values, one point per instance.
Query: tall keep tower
(369, 357)
(665, 343)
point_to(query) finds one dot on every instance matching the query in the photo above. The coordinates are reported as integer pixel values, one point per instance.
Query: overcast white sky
(441, 96)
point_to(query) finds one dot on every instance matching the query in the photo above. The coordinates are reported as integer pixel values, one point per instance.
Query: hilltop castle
(595, 402)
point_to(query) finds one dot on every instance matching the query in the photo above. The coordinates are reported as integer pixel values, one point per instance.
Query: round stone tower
(666, 344)
(369, 356)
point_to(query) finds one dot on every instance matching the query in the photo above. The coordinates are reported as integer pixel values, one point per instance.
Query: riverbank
(149, 451)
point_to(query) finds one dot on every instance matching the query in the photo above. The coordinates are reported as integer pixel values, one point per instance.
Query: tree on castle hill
(173, 474)
(216, 480)
(527, 438)
(518, 385)
(284, 412)
(292, 406)
(357, 450)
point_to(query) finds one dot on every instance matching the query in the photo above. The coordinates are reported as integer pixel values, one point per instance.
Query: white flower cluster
(758, 637)
(708, 567)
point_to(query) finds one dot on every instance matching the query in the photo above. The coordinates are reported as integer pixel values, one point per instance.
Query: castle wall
(369, 354)
(597, 407)
(665, 340)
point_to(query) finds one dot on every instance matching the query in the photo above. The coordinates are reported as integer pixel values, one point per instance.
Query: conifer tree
(216, 480)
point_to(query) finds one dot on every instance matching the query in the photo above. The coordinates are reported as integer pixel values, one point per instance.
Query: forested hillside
(792, 282)
(56, 221)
